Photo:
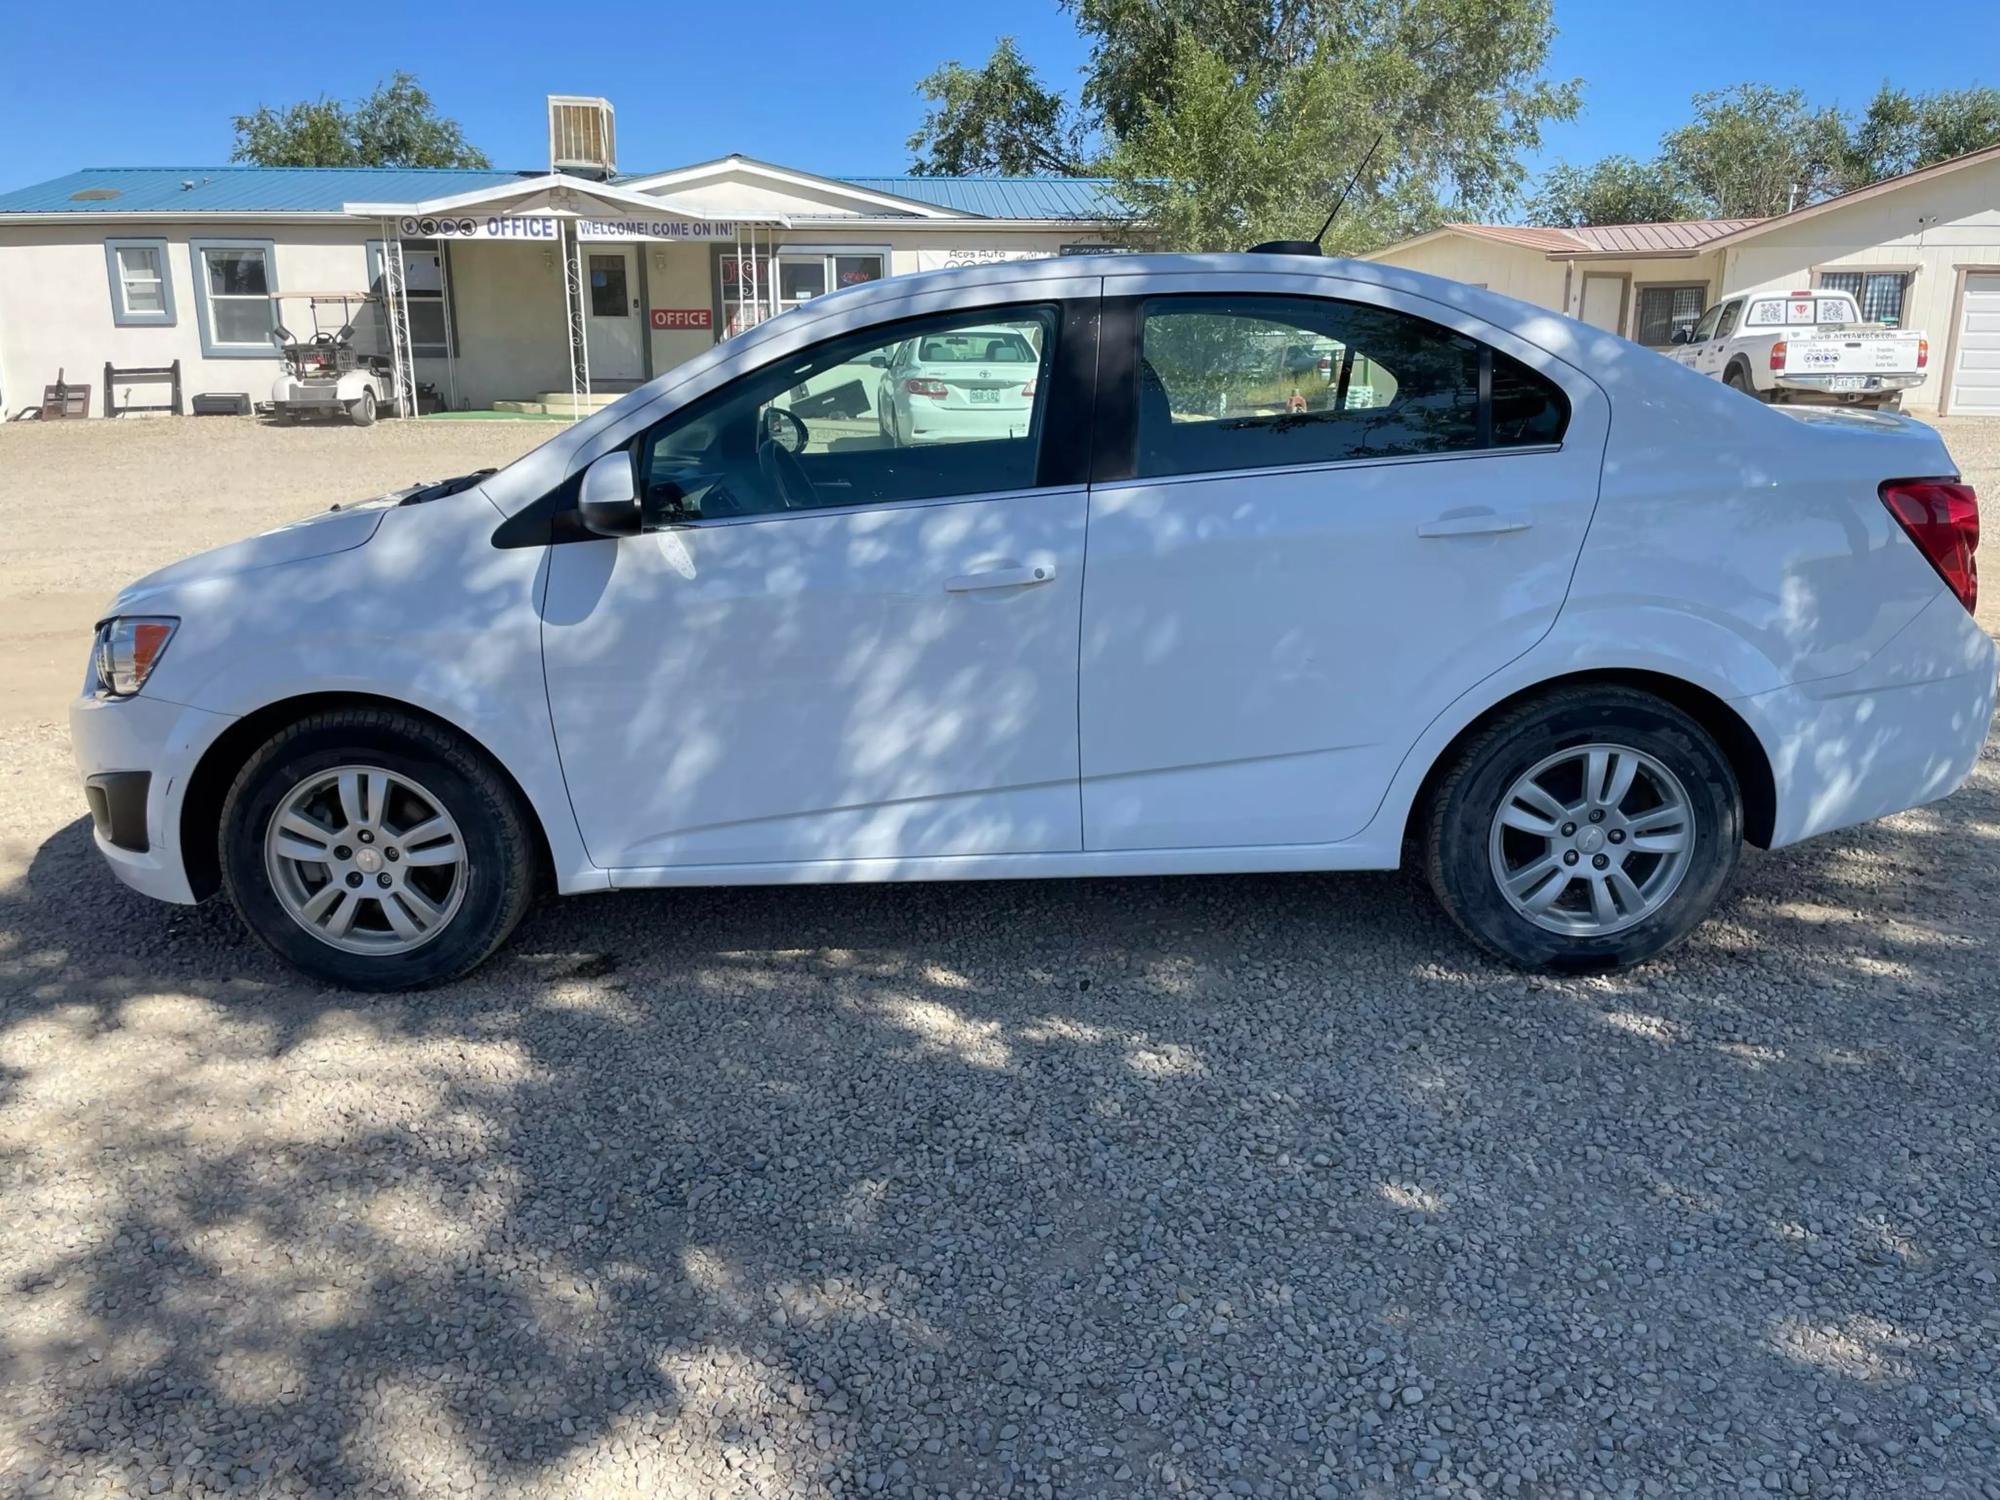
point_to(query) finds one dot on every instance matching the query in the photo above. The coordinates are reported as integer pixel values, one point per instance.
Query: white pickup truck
(1804, 346)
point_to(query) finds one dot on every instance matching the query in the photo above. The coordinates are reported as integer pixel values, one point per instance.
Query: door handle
(1479, 523)
(1000, 578)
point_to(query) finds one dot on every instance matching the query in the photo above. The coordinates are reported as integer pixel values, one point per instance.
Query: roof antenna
(1311, 246)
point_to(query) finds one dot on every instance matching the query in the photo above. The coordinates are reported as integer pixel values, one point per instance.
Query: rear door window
(1246, 382)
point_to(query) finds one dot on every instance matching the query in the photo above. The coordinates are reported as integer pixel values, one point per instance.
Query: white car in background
(1559, 622)
(962, 384)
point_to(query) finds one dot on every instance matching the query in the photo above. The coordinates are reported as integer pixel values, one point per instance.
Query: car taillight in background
(937, 390)
(1942, 518)
(1923, 353)
(1029, 389)
(1778, 355)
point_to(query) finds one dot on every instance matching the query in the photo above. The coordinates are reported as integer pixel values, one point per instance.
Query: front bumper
(135, 756)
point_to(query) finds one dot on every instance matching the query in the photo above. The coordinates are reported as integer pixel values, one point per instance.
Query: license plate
(1847, 383)
(983, 397)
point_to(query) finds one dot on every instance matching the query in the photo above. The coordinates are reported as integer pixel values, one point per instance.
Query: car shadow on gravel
(1118, 1186)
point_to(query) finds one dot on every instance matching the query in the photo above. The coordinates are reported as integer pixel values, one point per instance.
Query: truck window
(1729, 312)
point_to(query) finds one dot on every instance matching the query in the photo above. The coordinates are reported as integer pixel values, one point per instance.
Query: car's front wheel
(376, 850)
(1588, 829)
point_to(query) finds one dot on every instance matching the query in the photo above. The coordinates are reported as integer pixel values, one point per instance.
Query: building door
(1604, 302)
(612, 321)
(1975, 378)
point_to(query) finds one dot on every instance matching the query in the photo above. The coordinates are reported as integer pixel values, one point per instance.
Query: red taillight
(1942, 518)
(937, 390)
(1029, 388)
(1778, 355)
(1923, 353)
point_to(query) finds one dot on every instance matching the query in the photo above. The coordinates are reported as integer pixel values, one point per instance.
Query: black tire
(1459, 822)
(500, 850)
(1738, 380)
(361, 410)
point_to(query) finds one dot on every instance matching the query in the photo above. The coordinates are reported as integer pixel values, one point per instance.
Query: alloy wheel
(1590, 840)
(366, 860)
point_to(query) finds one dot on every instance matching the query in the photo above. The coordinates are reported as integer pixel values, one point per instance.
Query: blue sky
(825, 87)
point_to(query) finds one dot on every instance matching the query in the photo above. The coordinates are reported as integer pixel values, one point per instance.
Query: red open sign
(682, 317)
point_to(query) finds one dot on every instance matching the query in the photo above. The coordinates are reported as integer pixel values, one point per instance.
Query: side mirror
(878, 361)
(608, 504)
(1682, 336)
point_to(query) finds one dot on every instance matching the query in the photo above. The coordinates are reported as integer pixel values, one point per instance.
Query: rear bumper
(1904, 730)
(963, 424)
(135, 756)
(1823, 385)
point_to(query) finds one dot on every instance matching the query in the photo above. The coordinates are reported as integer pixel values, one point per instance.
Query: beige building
(143, 268)
(1921, 251)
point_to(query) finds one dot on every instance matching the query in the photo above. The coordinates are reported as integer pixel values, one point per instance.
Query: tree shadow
(1147, 1187)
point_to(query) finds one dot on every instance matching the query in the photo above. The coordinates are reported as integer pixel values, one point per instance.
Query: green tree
(1900, 132)
(1230, 121)
(997, 118)
(395, 126)
(1616, 190)
(1753, 150)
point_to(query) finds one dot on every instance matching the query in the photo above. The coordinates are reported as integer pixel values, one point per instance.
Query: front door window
(608, 298)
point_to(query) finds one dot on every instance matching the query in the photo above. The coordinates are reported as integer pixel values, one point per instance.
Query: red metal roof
(1676, 238)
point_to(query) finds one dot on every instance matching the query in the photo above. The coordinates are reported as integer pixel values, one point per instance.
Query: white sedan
(1561, 622)
(958, 385)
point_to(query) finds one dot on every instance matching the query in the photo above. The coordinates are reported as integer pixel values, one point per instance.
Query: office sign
(682, 317)
(535, 227)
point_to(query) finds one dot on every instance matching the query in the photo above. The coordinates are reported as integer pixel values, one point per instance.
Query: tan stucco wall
(1511, 270)
(513, 332)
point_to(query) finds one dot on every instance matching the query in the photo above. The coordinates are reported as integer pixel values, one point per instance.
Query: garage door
(1975, 382)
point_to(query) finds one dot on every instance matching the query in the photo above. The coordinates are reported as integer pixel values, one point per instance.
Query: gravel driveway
(1248, 1186)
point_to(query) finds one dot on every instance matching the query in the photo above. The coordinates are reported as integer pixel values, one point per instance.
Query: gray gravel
(1259, 1186)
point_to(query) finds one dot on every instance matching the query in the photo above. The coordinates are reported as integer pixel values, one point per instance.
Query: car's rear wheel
(376, 850)
(361, 410)
(1588, 829)
(1737, 380)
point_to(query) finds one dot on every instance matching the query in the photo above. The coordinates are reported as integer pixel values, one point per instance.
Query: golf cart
(326, 374)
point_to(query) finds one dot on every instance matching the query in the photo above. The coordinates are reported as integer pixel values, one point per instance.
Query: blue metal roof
(1007, 197)
(263, 190)
(322, 190)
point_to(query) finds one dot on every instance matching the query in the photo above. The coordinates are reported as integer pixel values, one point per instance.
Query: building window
(1662, 309)
(235, 284)
(424, 290)
(761, 286)
(1880, 294)
(142, 294)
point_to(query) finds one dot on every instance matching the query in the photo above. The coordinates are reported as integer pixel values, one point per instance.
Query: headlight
(128, 648)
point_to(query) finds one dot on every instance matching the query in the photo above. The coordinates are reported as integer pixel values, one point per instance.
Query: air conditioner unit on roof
(583, 139)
